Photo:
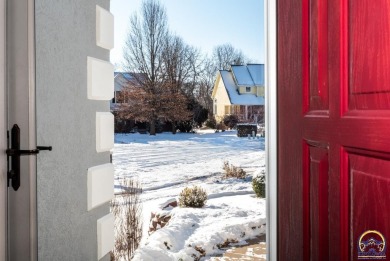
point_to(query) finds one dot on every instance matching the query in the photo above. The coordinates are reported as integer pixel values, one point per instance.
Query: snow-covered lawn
(166, 163)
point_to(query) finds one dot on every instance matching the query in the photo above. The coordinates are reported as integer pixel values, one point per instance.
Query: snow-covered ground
(167, 163)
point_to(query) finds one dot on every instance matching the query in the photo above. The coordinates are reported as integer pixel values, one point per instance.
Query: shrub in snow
(230, 120)
(194, 197)
(221, 126)
(232, 171)
(211, 123)
(126, 207)
(258, 184)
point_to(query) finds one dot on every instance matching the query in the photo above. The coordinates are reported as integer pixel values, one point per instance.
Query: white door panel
(20, 78)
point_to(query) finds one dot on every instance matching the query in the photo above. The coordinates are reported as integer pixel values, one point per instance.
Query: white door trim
(3, 138)
(32, 130)
(20, 66)
(271, 127)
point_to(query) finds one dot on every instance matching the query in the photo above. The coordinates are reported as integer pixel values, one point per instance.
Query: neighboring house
(121, 81)
(240, 91)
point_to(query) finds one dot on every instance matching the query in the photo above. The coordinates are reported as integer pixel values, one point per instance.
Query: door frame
(271, 127)
(3, 136)
(20, 79)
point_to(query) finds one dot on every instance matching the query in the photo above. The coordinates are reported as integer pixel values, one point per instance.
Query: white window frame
(270, 9)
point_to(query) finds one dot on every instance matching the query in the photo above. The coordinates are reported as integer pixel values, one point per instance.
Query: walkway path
(255, 250)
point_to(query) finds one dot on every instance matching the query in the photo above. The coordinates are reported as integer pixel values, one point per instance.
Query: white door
(3, 139)
(19, 109)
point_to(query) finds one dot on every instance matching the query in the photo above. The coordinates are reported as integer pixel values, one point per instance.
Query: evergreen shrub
(258, 185)
(211, 123)
(194, 197)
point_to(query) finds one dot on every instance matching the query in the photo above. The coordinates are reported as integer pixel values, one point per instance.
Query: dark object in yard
(142, 131)
(243, 130)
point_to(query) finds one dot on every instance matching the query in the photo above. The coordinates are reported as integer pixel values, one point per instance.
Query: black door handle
(49, 148)
(14, 153)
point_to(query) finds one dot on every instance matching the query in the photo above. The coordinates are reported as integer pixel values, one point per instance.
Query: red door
(334, 129)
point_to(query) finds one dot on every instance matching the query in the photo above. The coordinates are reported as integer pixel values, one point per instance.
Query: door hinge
(14, 152)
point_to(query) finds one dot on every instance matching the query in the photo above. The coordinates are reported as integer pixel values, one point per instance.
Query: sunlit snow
(167, 163)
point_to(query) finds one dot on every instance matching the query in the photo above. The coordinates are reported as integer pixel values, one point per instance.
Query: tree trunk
(173, 128)
(152, 130)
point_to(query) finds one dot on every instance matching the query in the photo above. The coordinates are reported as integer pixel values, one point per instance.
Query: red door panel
(370, 196)
(334, 129)
(316, 202)
(369, 46)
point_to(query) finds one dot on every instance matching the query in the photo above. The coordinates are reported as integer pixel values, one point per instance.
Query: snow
(166, 163)
(235, 97)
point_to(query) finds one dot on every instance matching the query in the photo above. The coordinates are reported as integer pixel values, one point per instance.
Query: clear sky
(203, 24)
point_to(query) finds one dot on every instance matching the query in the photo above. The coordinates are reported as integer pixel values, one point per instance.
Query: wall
(66, 120)
(222, 99)
(260, 91)
(254, 90)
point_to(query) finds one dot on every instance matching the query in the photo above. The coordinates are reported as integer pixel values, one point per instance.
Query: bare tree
(143, 57)
(225, 55)
(181, 65)
(206, 84)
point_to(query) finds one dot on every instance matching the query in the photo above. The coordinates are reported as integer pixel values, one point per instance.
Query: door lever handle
(14, 153)
(49, 148)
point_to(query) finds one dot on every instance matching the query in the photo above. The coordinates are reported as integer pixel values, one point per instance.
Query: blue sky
(203, 24)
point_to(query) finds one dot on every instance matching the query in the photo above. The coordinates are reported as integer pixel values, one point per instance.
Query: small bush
(232, 171)
(185, 126)
(211, 123)
(221, 126)
(192, 197)
(258, 185)
(230, 120)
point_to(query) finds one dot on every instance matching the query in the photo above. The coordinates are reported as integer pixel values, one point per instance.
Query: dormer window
(248, 89)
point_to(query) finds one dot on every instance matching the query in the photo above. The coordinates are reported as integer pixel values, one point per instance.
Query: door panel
(370, 195)
(3, 139)
(369, 55)
(22, 234)
(318, 202)
(369, 47)
(334, 98)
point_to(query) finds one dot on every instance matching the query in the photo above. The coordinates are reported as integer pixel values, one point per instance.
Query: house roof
(234, 96)
(257, 73)
(124, 78)
(249, 75)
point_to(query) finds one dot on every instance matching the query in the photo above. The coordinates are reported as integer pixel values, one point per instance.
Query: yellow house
(240, 91)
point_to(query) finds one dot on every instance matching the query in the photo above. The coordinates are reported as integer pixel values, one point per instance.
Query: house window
(227, 109)
(248, 89)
